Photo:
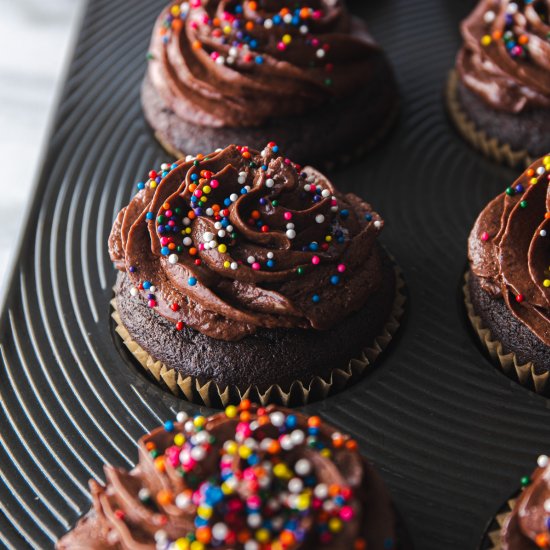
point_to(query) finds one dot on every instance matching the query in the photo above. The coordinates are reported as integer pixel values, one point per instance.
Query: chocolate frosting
(527, 527)
(509, 248)
(249, 478)
(238, 63)
(506, 54)
(238, 240)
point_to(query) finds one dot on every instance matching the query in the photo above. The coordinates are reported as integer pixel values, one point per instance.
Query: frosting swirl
(527, 526)
(249, 478)
(509, 250)
(238, 63)
(238, 240)
(506, 54)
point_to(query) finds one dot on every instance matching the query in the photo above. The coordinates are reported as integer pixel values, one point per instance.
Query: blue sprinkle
(169, 426)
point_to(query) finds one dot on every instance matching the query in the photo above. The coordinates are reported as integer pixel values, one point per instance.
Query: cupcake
(242, 272)
(249, 478)
(308, 76)
(524, 524)
(499, 94)
(508, 290)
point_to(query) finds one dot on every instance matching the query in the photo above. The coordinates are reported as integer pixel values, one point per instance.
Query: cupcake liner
(210, 394)
(489, 146)
(342, 160)
(524, 373)
(493, 537)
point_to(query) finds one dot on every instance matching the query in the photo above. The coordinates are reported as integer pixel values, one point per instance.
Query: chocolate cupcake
(309, 77)
(248, 479)
(524, 523)
(243, 275)
(499, 95)
(508, 290)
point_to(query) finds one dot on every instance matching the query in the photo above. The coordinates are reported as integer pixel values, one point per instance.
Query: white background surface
(36, 39)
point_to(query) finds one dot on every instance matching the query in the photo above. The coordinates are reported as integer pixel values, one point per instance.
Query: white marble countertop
(36, 38)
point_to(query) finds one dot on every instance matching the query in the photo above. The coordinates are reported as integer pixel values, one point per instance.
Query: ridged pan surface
(450, 434)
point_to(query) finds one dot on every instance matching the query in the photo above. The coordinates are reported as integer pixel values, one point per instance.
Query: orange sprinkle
(165, 497)
(203, 534)
(159, 464)
(314, 422)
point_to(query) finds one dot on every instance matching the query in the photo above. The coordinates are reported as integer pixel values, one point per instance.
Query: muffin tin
(450, 434)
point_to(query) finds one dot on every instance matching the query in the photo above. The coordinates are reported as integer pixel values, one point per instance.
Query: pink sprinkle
(214, 184)
(341, 268)
(485, 236)
(315, 260)
(256, 266)
(288, 215)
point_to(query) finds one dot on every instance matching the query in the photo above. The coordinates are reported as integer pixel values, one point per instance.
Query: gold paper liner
(489, 146)
(495, 537)
(211, 394)
(524, 373)
(342, 160)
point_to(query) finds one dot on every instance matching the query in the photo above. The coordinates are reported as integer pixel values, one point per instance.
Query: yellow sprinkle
(486, 40)
(231, 411)
(179, 440)
(222, 249)
(262, 535)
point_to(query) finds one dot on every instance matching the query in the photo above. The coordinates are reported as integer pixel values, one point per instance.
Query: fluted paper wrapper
(211, 394)
(494, 536)
(524, 373)
(489, 146)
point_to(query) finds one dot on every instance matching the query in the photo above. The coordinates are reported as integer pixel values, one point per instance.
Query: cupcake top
(219, 63)
(506, 54)
(528, 525)
(236, 240)
(508, 248)
(249, 478)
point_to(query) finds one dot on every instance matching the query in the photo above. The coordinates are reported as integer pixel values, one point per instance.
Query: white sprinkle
(319, 218)
(173, 259)
(489, 16)
(182, 416)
